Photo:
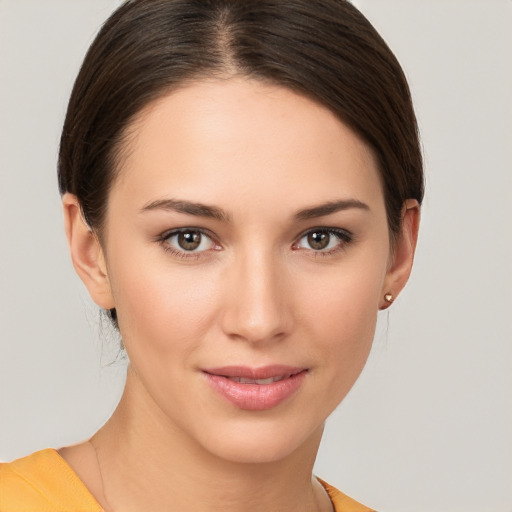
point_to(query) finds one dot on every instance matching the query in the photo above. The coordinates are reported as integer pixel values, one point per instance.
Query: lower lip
(256, 397)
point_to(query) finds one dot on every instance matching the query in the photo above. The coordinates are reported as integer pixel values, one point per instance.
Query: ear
(86, 253)
(402, 254)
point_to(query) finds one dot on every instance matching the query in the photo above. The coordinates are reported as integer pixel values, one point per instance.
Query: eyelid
(344, 236)
(164, 237)
(175, 231)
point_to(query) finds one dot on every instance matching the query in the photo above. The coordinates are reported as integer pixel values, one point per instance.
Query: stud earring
(388, 298)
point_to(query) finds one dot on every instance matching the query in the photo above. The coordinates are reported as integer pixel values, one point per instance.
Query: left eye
(322, 240)
(189, 240)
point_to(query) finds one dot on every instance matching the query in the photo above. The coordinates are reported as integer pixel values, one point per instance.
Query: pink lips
(255, 389)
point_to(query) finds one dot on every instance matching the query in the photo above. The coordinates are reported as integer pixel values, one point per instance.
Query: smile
(244, 380)
(255, 389)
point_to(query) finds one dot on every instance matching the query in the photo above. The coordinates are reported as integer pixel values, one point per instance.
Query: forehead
(222, 140)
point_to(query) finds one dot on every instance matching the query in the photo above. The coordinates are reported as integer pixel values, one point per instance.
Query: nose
(257, 305)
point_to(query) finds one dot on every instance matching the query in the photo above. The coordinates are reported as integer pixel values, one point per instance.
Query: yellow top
(44, 482)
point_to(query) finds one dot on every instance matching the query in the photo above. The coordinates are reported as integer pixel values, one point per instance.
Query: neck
(147, 464)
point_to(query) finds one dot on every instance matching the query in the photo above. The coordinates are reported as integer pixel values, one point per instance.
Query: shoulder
(43, 482)
(341, 502)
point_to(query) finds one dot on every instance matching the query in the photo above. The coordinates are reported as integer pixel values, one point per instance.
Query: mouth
(256, 388)
(260, 382)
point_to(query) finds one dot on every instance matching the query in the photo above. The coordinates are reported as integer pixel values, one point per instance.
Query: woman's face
(245, 242)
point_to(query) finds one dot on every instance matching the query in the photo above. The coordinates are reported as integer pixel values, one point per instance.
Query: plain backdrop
(428, 426)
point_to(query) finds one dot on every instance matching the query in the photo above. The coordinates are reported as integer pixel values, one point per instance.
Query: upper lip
(262, 372)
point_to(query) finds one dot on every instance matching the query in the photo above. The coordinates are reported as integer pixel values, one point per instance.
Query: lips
(255, 389)
(244, 380)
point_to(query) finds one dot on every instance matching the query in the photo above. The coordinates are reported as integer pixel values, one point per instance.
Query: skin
(255, 293)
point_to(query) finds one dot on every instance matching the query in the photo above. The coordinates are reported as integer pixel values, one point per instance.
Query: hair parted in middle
(323, 49)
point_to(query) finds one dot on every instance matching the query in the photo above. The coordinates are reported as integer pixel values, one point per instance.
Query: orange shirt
(44, 482)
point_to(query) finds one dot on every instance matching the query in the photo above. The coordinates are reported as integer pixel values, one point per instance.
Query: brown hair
(325, 49)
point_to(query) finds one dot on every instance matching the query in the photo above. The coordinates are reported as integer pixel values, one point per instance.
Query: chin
(262, 442)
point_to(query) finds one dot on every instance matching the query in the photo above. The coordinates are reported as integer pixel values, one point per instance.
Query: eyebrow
(213, 212)
(188, 207)
(329, 208)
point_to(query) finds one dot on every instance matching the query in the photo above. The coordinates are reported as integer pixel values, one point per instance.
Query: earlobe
(403, 254)
(86, 253)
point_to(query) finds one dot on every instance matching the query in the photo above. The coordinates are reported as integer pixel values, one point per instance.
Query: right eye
(183, 241)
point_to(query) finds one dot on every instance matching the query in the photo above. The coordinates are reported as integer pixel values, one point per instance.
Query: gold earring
(388, 297)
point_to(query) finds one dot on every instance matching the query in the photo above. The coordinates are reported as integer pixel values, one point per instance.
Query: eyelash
(163, 239)
(344, 238)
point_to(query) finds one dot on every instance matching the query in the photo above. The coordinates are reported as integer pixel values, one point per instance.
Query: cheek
(348, 319)
(161, 308)
(341, 314)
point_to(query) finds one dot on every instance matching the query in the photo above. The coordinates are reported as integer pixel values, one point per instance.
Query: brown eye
(324, 240)
(189, 240)
(318, 240)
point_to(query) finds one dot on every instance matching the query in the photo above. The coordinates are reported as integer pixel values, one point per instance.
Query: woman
(241, 185)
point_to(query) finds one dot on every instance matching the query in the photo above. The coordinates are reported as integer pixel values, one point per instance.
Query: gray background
(428, 425)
